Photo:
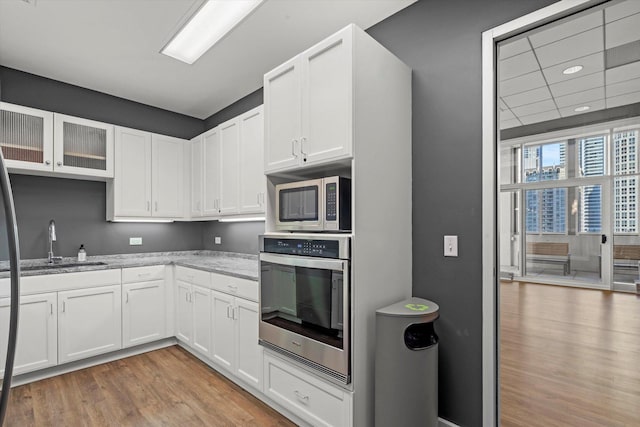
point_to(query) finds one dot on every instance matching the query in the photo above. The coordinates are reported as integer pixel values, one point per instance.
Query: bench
(626, 256)
(550, 253)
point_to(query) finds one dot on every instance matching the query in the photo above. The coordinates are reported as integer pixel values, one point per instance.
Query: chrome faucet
(52, 238)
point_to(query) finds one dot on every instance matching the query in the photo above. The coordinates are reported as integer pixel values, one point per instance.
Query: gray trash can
(406, 365)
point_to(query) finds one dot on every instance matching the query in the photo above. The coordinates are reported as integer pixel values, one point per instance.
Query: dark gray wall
(38, 92)
(441, 41)
(236, 236)
(78, 208)
(245, 104)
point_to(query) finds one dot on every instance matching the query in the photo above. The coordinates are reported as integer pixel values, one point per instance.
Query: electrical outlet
(135, 241)
(217, 240)
(450, 245)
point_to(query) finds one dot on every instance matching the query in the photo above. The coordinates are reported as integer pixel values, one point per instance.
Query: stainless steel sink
(56, 266)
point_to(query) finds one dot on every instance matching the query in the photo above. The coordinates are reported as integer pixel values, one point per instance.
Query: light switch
(450, 245)
(135, 241)
(217, 240)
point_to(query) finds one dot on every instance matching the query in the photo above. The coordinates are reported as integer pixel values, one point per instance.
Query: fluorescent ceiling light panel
(581, 109)
(140, 219)
(211, 23)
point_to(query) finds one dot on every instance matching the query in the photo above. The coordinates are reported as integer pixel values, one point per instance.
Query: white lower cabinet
(89, 322)
(37, 333)
(235, 328)
(143, 305)
(313, 400)
(193, 308)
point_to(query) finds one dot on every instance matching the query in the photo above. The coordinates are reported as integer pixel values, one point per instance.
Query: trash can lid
(412, 307)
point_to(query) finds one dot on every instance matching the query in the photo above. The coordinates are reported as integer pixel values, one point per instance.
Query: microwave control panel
(305, 247)
(331, 201)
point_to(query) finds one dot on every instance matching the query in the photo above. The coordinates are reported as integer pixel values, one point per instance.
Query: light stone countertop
(244, 266)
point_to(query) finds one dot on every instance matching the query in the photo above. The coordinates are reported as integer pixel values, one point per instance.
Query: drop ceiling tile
(534, 108)
(528, 97)
(518, 65)
(621, 10)
(623, 31)
(629, 98)
(506, 124)
(570, 111)
(623, 88)
(566, 29)
(540, 117)
(622, 73)
(513, 48)
(577, 46)
(522, 83)
(506, 115)
(585, 97)
(578, 84)
(590, 64)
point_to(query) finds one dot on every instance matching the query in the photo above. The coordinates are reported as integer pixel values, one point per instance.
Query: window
(625, 184)
(546, 210)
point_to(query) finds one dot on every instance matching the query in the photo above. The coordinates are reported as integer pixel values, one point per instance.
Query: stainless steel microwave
(314, 205)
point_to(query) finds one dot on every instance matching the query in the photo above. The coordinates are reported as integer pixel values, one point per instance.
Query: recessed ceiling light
(582, 108)
(572, 70)
(211, 23)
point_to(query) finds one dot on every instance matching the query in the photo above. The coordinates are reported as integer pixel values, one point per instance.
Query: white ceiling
(113, 46)
(532, 87)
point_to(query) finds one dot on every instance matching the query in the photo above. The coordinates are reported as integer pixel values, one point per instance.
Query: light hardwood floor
(167, 387)
(569, 356)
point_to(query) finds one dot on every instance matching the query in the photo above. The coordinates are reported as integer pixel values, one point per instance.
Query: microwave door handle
(300, 261)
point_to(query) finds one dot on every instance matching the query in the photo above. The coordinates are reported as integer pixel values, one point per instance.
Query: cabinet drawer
(193, 276)
(243, 288)
(310, 398)
(143, 274)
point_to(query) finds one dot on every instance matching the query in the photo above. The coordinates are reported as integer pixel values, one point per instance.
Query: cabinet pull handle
(143, 274)
(47, 162)
(258, 197)
(127, 300)
(303, 397)
(148, 206)
(64, 306)
(232, 288)
(229, 316)
(302, 141)
(59, 163)
(293, 148)
(51, 308)
(156, 206)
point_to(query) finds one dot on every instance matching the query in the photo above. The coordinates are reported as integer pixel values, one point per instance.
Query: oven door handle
(302, 261)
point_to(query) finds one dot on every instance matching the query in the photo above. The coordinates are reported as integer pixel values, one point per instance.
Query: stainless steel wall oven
(305, 300)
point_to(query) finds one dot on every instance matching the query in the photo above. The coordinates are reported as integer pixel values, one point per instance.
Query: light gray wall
(441, 41)
(78, 208)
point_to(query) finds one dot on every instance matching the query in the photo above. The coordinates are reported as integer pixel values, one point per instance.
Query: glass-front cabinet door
(83, 146)
(26, 137)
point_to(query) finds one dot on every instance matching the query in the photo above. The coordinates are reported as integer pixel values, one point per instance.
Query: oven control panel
(305, 247)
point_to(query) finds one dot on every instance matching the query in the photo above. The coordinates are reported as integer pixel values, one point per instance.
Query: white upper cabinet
(229, 166)
(211, 172)
(309, 106)
(26, 137)
(282, 112)
(196, 163)
(36, 140)
(166, 176)
(148, 178)
(252, 179)
(131, 187)
(82, 147)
